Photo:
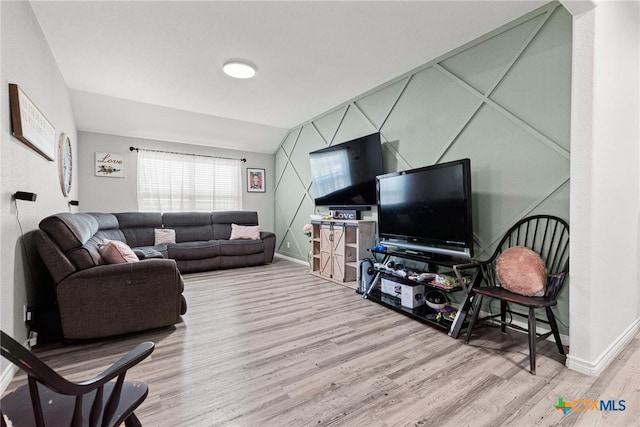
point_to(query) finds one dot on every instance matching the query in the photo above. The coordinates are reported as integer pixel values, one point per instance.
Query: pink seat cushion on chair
(522, 271)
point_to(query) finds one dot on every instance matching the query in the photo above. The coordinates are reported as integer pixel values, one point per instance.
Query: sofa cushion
(58, 264)
(138, 227)
(241, 247)
(194, 250)
(222, 222)
(107, 230)
(149, 252)
(250, 232)
(74, 235)
(241, 261)
(189, 226)
(116, 252)
(108, 227)
(197, 265)
(106, 221)
(69, 230)
(164, 236)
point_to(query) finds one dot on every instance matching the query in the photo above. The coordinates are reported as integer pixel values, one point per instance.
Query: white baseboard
(594, 368)
(7, 375)
(9, 372)
(296, 260)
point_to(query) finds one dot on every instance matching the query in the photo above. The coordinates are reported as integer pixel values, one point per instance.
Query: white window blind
(174, 182)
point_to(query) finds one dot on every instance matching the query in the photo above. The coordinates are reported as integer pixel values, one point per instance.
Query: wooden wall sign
(30, 125)
(109, 164)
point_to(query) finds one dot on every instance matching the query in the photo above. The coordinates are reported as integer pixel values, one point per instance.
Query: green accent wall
(502, 100)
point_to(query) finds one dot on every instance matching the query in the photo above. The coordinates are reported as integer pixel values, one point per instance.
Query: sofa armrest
(269, 240)
(120, 298)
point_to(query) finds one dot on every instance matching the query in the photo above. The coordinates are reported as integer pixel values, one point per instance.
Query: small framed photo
(255, 180)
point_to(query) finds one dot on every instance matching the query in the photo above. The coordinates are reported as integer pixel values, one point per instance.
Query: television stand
(423, 313)
(337, 246)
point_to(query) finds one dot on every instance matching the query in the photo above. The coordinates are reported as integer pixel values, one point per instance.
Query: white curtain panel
(173, 182)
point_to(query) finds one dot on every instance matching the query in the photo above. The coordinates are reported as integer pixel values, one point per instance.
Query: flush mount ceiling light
(239, 69)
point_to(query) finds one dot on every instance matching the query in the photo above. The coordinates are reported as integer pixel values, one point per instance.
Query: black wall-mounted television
(344, 175)
(427, 210)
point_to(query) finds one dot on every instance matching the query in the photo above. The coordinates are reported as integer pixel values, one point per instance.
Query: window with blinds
(173, 182)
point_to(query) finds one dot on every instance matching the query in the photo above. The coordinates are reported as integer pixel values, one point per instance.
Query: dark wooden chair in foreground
(548, 236)
(50, 400)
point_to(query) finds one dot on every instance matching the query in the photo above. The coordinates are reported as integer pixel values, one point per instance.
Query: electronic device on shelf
(344, 175)
(427, 211)
(436, 300)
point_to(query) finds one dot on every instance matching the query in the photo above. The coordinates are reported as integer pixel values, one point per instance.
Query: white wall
(605, 194)
(103, 194)
(27, 61)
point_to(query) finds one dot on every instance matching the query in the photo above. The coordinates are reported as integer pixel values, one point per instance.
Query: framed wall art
(29, 125)
(109, 164)
(256, 180)
(65, 164)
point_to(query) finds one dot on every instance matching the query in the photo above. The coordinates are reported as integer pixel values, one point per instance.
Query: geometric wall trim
(502, 100)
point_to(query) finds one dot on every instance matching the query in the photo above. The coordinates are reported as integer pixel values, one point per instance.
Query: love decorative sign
(110, 165)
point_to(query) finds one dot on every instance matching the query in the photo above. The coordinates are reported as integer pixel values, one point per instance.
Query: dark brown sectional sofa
(97, 299)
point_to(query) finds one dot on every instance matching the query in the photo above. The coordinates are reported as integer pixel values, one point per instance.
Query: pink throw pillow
(522, 271)
(116, 252)
(251, 232)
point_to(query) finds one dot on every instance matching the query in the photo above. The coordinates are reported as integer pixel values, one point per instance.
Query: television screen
(345, 174)
(427, 209)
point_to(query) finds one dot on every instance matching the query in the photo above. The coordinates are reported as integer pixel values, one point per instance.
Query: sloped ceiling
(153, 69)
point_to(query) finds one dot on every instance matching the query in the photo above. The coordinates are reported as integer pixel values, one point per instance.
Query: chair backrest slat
(77, 412)
(112, 403)
(35, 401)
(552, 258)
(545, 254)
(96, 407)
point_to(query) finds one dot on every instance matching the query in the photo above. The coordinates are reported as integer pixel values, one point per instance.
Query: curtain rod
(185, 154)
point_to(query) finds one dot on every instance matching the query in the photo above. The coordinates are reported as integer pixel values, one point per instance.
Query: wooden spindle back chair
(48, 399)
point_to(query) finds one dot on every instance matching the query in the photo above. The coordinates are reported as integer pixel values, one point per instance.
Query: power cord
(28, 319)
(24, 248)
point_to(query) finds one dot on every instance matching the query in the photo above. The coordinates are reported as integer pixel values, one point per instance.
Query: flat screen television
(427, 210)
(344, 175)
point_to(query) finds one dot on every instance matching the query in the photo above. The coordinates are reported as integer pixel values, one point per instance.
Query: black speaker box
(24, 195)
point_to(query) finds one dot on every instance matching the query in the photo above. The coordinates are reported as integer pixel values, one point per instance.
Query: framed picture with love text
(110, 165)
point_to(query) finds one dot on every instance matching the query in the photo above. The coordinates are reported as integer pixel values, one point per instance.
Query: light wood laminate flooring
(276, 346)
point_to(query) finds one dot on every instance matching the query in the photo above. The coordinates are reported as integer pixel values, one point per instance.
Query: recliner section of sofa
(97, 299)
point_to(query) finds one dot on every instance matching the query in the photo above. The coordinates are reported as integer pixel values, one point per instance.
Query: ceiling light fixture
(239, 69)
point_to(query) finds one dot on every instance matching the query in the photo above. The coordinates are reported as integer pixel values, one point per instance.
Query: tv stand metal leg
(458, 321)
